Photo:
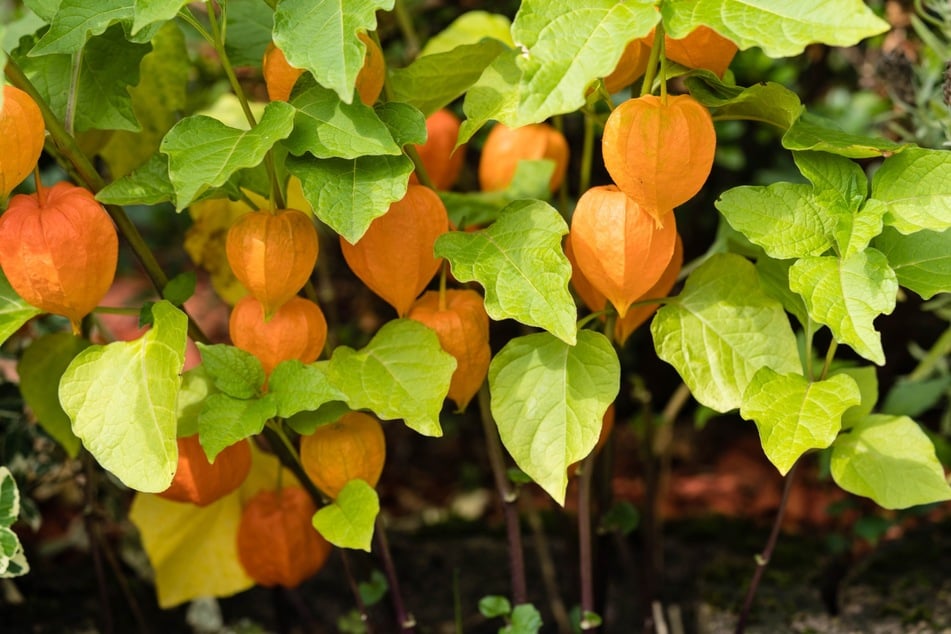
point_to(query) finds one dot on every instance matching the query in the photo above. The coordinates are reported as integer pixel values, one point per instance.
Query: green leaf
(774, 276)
(197, 385)
(41, 367)
(180, 288)
(321, 37)
(349, 521)
(14, 311)
(794, 415)
(146, 185)
(297, 387)
(12, 561)
(841, 180)
(548, 400)
(494, 606)
(147, 12)
(847, 294)
(913, 398)
(721, 330)
(249, 32)
(76, 21)
(867, 461)
(780, 29)
(406, 123)
(866, 378)
(494, 96)
(121, 398)
(477, 209)
(348, 194)
(307, 422)
(812, 132)
(916, 187)
(470, 28)
(854, 231)
(783, 218)
(402, 373)
(567, 46)
(520, 263)
(526, 619)
(327, 127)
(203, 152)
(224, 420)
(235, 372)
(922, 260)
(426, 84)
(766, 102)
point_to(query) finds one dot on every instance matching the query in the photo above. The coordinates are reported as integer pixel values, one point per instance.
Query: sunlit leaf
(14, 311)
(765, 102)
(922, 260)
(916, 187)
(297, 387)
(348, 522)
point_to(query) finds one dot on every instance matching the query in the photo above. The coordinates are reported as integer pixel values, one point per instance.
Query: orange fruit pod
(607, 424)
(702, 48)
(442, 164)
(59, 250)
(637, 315)
(505, 147)
(296, 330)
(630, 67)
(462, 326)
(659, 152)
(394, 258)
(280, 76)
(617, 246)
(277, 542)
(351, 448)
(22, 132)
(200, 482)
(272, 254)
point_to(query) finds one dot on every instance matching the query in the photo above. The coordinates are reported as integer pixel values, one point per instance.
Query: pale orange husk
(442, 164)
(277, 542)
(351, 448)
(200, 482)
(296, 331)
(637, 315)
(619, 248)
(659, 152)
(592, 297)
(279, 75)
(22, 132)
(462, 326)
(505, 147)
(59, 254)
(371, 77)
(394, 258)
(273, 254)
(630, 68)
(702, 48)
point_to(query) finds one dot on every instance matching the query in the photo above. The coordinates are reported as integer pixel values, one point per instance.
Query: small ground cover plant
(256, 455)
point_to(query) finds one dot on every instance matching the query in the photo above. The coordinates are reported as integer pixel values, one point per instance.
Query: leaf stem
(762, 560)
(587, 152)
(938, 352)
(406, 620)
(508, 495)
(657, 49)
(585, 547)
(410, 37)
(421, 174)
(69, 117)
(830, 356)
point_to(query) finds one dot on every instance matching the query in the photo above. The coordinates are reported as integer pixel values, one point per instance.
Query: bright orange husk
(272, 254)
(618, 247)
(277, 542)
(394, 258)
(589, 295)
(22, 132)
(702, 48)
(632, 65)
(200, 482)
(59, 250)
(352, 448)
(637, 315)
(441, 163)
(296, 330)
(371, 77)
(279, 75)
(659, 153)
(463, 329)
(505, 147)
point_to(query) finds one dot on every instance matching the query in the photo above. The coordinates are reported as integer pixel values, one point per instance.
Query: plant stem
(587, 153)
(549, 577)
(92, 532)
(762, 560)
(355, 590)
(508, 495)
(938, 352)
(82, 169)
(421, 174)
(585, 541)
(280, 445)
(406, 620)
(830, 356)
(657, 49)
(407, 29)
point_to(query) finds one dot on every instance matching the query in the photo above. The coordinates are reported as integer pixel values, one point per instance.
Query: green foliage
(14, 311)
(348, 522)
(12, 560)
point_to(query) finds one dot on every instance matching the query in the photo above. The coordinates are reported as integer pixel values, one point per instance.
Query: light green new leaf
(224, 420)
(566, 46)
(890, 460)
(783, 218)
(916, 187)
(812, 132)
(548, 400)
(327, 127)
(478, 209)
(148, 184)
(14, 311)
(349, 521)
(781, 29)
(122, 397)
(12, 561)
(470, 28)
(348, 194)
(774, 276)
(147, 12)
(794, 415)
(854, 231)
(847, 294)
(426, 84)
(922, 260)
(866, 377)
(836, 176)
(41, 367)
(406, 123)
(402, 373)
(494, 96)
(197, 385)
(766, 102)
(321, 37)
(77, 20)
(721, 330)
(203, 152)
(297, 387)
(234, 371)
(520, 263)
